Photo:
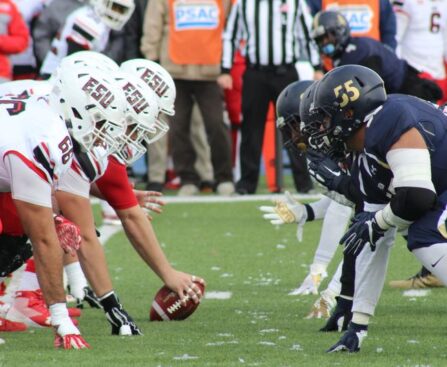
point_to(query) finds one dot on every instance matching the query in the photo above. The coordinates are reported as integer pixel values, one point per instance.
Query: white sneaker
(225, 188)
(188, 190)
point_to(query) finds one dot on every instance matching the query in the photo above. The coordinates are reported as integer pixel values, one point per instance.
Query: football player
(37, 152)
(332, 34)
(400, 144)
(87, 28)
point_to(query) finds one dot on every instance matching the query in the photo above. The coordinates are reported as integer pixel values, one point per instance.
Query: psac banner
(200, 14)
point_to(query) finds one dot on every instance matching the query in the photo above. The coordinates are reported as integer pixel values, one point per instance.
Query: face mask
(328, 49)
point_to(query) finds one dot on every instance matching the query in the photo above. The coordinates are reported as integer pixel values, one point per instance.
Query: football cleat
(351, 340)
(423, 279)
(29, 307)
(323, 306)
(340, 318)
(90, 298)
(11, 326)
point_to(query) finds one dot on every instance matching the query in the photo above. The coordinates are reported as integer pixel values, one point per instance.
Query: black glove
(363, 230)
(325, 170)
(352, 339)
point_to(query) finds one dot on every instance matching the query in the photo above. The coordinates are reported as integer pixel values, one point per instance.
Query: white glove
(286, 211)
(323, 305)
(312, 281)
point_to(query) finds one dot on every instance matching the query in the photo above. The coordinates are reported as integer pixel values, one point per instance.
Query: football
(166, 305)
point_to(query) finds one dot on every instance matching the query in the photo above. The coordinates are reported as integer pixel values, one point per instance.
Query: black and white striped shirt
(276, 32)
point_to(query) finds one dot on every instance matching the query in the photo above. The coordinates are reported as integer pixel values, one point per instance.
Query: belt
(276, 69)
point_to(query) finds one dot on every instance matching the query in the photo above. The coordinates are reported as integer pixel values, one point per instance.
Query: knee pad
(14, 251)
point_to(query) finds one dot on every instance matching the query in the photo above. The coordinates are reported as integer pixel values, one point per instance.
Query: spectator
(273, 34)
(189, 48)
(24, 63)
(14, 37)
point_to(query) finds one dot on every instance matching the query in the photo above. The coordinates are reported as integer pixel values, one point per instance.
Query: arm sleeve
(25, 175)
(18, 35)
(151, 40)
(115, 187)
(387, 24)
(231, 37)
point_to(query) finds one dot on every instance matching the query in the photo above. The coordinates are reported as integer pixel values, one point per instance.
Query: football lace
(176, 306)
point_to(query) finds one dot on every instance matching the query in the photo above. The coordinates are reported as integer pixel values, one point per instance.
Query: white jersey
(32, 87)
(29, 9)
(37, 140)
(83, 27)
(422, 34)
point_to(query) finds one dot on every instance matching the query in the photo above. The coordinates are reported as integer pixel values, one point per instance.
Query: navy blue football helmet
(342, 101)
(331, 32)
(288, 114)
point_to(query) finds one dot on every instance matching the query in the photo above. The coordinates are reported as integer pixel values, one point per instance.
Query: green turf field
(236, 251)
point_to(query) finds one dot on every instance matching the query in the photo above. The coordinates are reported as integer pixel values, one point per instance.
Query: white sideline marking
(2, 341)
(218, 295)
(416, 293)
(227, 199)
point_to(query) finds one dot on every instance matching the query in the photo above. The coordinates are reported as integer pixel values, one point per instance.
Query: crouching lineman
(400, 143)
(37, 152)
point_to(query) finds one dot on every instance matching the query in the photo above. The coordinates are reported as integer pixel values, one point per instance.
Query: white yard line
(228, 199)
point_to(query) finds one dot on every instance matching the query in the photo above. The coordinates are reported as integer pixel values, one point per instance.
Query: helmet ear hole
(359, 81)
(76, 113)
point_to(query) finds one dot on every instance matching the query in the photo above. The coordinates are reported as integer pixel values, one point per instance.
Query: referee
(275, 33)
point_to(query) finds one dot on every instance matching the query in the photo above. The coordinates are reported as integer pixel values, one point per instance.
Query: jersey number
(434, 22)
(66, 148)
(347, 92)
(16, 108)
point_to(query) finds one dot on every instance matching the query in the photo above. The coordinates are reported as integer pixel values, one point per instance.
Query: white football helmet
(141, 116)
(156, 77)
(91, 58)
(114, 13)
(92, 105)
(161, 82)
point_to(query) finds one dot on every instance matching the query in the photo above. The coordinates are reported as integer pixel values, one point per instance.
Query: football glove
(312, 281)
(323, 306)
(324, 170)
(89, 297)
(68, 233)
(351, 340)
(364, 230)
(121, 322)
(67, 336)
(287, 211)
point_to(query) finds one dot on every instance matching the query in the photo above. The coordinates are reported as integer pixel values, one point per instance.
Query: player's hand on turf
(122, 323)
(351, 340)
(364, 230)
(323, 306)
(150, 201)
(68, 233)
(286, 211)
(68, 336)
(312, 282)
(324, 170)
(184, 285)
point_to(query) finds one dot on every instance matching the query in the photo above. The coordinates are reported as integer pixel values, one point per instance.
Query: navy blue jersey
(367, 51)
(385, 126)
(425, 231)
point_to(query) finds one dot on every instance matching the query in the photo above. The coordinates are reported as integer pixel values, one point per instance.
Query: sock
(360, 318)
(319, 207)
(76, 279)
(109, 301)
(29, 281)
